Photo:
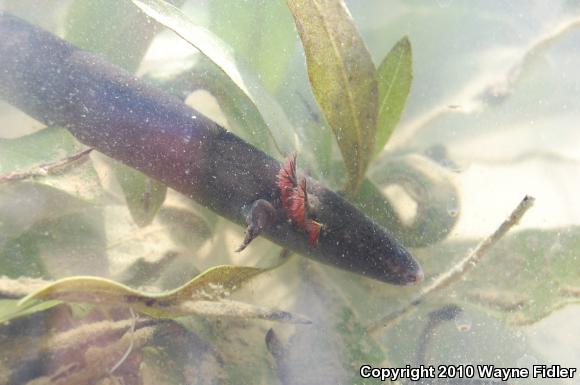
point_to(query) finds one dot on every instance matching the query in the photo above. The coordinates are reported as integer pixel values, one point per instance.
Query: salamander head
(400, 267)
(359, 245)
(341, 235)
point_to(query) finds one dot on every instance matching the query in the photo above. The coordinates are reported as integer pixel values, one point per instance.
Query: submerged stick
(119, 115)
(52, 168)
(457, 271)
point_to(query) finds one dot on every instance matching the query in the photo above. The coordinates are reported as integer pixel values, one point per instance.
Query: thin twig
(456, 272)
(134, 318)
(52, 168)
(477, 94)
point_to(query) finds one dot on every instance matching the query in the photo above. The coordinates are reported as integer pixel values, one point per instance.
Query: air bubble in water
(463, 322)
(452, 209)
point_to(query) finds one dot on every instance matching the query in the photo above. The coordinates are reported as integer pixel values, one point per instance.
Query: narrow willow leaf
(44, 146)
(210, 285)
(427, 184)
(222, 55)
(185, 227)
(112, 28)
(261, 32)
(144, 195)
(394, 76)
(244, 119)
(343, 79)
(10, 310)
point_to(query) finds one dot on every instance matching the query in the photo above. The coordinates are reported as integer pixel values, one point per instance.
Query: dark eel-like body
(111, 110)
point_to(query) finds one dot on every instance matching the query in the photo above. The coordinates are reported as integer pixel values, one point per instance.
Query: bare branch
(489, 88)
(457, 271)
(52, 168)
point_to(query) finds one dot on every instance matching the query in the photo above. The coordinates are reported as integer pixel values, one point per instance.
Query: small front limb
(261, 216)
